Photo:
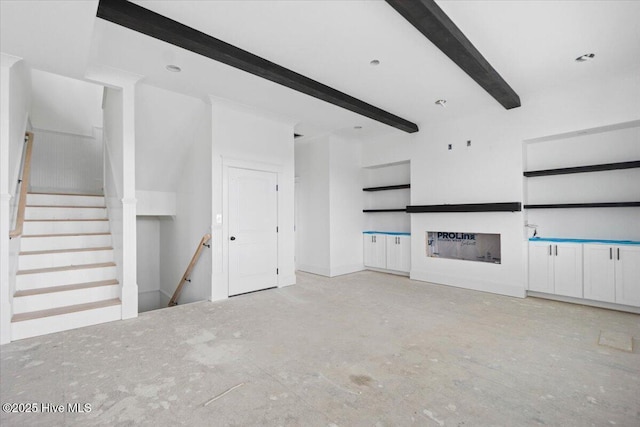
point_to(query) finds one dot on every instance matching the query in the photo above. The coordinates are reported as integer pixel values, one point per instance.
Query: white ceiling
(532, 44)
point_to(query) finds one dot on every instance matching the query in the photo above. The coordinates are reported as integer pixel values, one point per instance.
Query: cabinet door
(404, 244)
(369, 250)
(375, 250)
(567, 269)
(627, 267)
(599, 273)
(399, 253)
(540, 267)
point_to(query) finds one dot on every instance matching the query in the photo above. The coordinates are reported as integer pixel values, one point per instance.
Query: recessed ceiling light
(585, 57)
(374, 62)
(173, 68)
(357, 127)
(441, 102)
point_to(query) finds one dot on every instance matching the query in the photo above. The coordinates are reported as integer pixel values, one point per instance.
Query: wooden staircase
(66, 272)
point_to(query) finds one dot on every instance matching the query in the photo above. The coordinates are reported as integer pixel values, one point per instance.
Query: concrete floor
(367, 349)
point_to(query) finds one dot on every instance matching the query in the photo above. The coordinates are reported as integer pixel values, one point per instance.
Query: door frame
(228, 163)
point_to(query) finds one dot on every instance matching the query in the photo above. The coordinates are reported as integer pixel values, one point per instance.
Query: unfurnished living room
(320, 213)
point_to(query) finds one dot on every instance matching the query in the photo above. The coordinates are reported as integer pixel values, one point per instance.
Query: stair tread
(66, 206)
(66, 194)
(66, 267)
(66, 234)
(32, 315)
(66, 219)
(64, 288)
(59, 251)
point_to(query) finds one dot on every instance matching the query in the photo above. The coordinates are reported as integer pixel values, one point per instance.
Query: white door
(627, 261)
(540, 267)
(599, 274)
(568, 269)
(253, 238)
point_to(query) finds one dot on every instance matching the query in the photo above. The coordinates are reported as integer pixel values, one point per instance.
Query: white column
(127, 82)
(6, 62)
(129, 239)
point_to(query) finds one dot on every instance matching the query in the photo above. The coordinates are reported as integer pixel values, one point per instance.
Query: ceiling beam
(435, 25)
(152, 24)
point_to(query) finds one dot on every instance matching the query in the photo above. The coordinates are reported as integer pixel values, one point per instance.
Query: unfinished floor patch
(617, 340)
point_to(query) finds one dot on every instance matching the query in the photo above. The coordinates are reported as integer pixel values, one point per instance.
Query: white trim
(149, 291)
(384, 270)
(284, 280)
(320, 271)
(348, 269)
(61, 132)
(467, 283)
(8, 61)
(581, 301)
(229, 162)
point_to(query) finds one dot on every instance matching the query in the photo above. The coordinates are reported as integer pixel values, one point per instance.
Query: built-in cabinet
(612, 273)
(556, 268)
(595, 271)
(387, 251)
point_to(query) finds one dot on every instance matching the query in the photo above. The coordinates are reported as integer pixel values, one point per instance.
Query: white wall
(20, 99)
(15, 97)
(66, 163)
(490, 170)
(243, 134)
(346, 205)
(166, 124)
(329, 205)
(64, 104)
(602, 145)
(312, 205)
(156, 203)
(148, 268)
(179, 235)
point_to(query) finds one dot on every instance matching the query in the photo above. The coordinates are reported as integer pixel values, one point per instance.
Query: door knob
(232, 238)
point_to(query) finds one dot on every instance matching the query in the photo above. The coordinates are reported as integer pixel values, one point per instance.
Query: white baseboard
(346, 269)
(384, 270)
(287, 280)
(469, 283)
(601, 304)
(322, 271)
(164, 298)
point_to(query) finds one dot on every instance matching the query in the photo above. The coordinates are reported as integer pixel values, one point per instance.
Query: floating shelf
(388, 187)
(583, 169)
(584, 205)
(468, 207)
(383, 210)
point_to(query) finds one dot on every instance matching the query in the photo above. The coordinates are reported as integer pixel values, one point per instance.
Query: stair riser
(64, 213)
(63, 242)
(51, 324)
(60, 299)
(58, 200)
(31, 262)
(60, 278)
(60, 227)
